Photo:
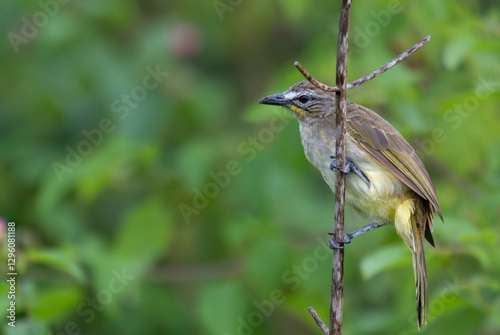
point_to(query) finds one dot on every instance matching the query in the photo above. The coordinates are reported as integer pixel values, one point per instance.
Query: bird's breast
(378, 201)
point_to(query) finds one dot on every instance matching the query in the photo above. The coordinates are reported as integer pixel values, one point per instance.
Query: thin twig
(337, 293)
(313, 81)
(318, 320)
(369, 76)
(387, 66)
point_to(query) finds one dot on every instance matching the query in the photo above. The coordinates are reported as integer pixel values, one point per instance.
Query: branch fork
(369, 76)
(340, 89)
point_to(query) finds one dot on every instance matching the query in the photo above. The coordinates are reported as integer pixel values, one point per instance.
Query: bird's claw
(334, 166)
(334, 244)
(349, 166)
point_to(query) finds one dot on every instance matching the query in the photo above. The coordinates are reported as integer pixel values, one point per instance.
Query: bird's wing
(379, 139)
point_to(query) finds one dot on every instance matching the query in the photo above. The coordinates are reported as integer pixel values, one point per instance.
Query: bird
(386, 182)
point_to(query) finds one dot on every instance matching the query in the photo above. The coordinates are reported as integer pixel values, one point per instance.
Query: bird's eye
(303, 99)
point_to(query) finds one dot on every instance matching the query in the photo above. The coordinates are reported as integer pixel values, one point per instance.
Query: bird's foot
(334, 244)
(349, 166)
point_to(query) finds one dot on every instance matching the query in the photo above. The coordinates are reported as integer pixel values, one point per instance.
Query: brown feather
(379, 139)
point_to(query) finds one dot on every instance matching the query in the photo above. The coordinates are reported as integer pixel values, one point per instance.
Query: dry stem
(337, 293)
(318, 320)
(369, 76)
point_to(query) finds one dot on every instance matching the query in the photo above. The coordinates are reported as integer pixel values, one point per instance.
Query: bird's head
(306, 102)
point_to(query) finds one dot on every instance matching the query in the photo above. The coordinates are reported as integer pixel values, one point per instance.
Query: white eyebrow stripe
(290, 96)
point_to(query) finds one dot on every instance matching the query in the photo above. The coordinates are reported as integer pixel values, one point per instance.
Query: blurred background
(153, 195)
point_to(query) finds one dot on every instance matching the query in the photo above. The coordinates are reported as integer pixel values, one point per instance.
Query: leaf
(384, 259)
(58, 259)
(61, 300)
(144, 234)
(456, 50)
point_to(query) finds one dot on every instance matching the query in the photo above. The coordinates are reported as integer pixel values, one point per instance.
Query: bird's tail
(420, 270)
(410, 222)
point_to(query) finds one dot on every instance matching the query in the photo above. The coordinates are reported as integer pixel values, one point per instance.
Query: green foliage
(219, 306)
(152, 194)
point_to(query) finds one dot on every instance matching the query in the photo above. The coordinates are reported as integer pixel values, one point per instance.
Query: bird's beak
(275, 99)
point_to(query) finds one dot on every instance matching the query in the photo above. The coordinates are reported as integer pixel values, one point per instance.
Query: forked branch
(369, 76)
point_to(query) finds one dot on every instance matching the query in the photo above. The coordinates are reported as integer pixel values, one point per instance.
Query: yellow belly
(377, 202)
